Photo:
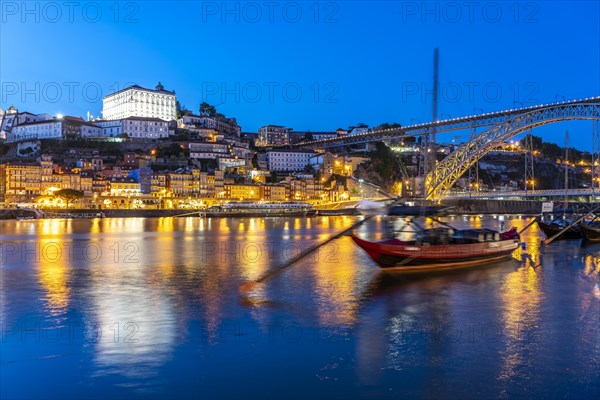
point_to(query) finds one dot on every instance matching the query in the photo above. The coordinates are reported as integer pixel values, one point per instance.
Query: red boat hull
(411, 257)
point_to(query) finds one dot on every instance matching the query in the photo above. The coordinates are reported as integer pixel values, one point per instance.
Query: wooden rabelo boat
(441, 248)
(590, 231)
(554, 227)
(405, 210)
(558, 225)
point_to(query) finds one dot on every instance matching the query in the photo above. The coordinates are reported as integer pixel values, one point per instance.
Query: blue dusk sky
(305, 64)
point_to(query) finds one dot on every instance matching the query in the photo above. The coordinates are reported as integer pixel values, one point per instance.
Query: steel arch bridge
(450, 169)
(485, 120)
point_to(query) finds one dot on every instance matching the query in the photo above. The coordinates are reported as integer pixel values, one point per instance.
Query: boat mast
(566, 171)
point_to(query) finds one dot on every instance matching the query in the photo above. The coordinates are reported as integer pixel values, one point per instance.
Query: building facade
(273, 135)
(288, 160)
(58, 128)
(145, 128)
(136, 101)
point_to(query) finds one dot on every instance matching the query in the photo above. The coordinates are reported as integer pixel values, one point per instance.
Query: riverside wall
(459, 206)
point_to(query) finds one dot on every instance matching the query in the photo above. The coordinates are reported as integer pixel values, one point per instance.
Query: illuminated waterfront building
(124, 187)
(275, 192)
(19, 181)
(180, 184)
(246, 192)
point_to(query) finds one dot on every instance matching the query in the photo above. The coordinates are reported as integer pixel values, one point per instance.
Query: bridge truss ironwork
(458, 162)
(500, 125)
(441, 126)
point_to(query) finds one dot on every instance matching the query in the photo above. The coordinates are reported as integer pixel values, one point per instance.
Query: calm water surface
(150, 308)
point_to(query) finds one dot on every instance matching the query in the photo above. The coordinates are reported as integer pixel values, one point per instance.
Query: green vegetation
(69, 195)
(183, 136)
(26, 151)
(387, 125)
(384, 161)
(552, 151)
(173, 149)
(62, 146)
(181, 110)
(207, 110)
(208, 165)
(4, 149)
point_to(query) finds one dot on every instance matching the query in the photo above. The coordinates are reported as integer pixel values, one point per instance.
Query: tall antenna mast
(431, 149)
(428, 148)
(566, 171)
(436, 85)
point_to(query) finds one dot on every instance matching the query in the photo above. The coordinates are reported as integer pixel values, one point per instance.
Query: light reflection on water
(151, 308)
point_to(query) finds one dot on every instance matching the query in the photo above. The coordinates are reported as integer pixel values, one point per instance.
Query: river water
(150, 308)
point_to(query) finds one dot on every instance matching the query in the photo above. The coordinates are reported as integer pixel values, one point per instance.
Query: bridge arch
(451, 168)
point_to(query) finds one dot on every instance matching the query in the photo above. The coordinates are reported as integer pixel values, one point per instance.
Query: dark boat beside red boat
(441, 248)
(591, 231)
(552, 228)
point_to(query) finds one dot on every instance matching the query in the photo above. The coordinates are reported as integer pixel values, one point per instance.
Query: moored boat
(440, 248)
(552, 228)
(591, 231)
(369, 207)
(405, 210)
(262, 209)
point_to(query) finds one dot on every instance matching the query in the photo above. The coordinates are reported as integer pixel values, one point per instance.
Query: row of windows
(37, 128)
(146, 123)
(125, 98)
(290, 156)
(141, 128)
(148, 135)
(122, 187)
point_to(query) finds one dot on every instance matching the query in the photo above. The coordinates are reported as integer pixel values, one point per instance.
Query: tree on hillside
(384, 161)
(536, 141)
(207, 110)
(26, 151)
(180, 110)
(387, 125)
(69, 195)
(552, 151)
(172, 150)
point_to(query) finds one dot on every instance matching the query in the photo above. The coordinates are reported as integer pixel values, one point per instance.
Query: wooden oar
(553, 238)
(186, 214)
(536, 219)
(276, 271)
(442, 223)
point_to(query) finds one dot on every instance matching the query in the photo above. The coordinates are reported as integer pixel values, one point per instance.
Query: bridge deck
(446, 125)
(522, 193)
